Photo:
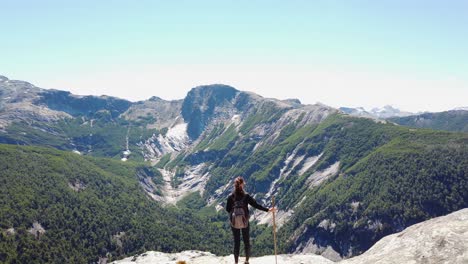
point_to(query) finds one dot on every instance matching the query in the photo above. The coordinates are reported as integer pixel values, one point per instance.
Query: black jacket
(249, 200)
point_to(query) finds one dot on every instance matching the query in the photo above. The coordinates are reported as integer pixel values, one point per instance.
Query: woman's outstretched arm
(256, 205)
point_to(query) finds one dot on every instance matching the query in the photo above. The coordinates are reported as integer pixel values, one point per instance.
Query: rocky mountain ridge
(453, 120)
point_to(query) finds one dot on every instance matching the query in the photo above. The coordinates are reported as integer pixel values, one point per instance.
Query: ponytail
(238, 186)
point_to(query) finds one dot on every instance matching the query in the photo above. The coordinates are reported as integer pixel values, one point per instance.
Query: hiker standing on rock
(237, 207)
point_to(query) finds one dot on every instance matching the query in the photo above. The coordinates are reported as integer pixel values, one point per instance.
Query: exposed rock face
(198, 257)
(440, 240)
(193, 180)
(18, 102)
(77, 185)
(36, 230)
(163, 113)
(82, 105)
(174, 140)
(199, 106)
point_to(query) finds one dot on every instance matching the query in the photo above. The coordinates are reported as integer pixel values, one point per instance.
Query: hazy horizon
(411, 55)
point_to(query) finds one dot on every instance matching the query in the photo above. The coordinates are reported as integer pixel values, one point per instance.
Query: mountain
(439, 240)
(341, 182)
(61, 207)
(379, 113)
(454, 120)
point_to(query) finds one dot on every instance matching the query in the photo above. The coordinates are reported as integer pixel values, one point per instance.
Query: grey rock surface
(440, 240)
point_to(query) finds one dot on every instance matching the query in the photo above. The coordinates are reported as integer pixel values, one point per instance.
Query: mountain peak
(200, 103)
(217, 91)
(293, 101)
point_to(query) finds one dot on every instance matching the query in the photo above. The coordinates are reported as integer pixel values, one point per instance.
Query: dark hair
(238, 188)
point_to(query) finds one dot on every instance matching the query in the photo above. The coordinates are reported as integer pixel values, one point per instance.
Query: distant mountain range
(382, 113)
(454, 120)
(89, 176)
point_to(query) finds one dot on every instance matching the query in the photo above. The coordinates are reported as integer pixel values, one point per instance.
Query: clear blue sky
(410, 54)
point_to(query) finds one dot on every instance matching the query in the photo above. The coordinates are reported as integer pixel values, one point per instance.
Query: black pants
(245, 237)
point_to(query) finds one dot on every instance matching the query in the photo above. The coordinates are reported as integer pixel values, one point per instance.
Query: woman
(240, 199)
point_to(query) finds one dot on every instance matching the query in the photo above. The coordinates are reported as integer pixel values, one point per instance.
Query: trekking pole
(274, 227)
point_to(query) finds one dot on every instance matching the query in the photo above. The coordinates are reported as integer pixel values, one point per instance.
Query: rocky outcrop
(442, 240)
(18, 103)
(173, 141)
(198, 257)
(439, 240)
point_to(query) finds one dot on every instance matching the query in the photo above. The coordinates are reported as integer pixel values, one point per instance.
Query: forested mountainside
(341, 182)
(455, 120)
(345, 183)
(60, 207)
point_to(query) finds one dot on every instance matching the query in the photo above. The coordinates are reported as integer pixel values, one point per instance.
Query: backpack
(238, 215)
